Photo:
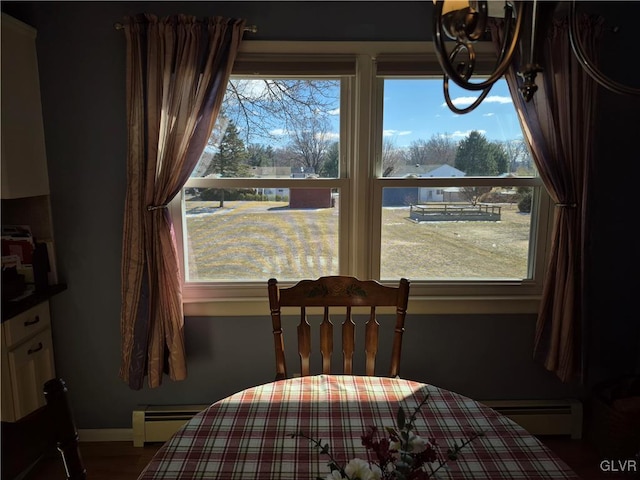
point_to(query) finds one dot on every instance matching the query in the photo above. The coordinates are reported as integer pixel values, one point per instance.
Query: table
(247, 435)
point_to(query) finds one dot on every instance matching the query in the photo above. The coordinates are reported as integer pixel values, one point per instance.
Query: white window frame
(361, 191)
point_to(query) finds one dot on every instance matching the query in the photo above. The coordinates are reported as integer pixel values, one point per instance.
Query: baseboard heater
(156, 423)
(543, 417)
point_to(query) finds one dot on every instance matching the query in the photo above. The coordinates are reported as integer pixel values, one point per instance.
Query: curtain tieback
(151, 208)
(566, 205)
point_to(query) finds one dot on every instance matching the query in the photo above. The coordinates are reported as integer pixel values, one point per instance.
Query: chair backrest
(338, 291)
(29, 439)
(64, 428)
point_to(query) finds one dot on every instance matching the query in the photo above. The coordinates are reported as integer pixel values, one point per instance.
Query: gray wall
(82, 72)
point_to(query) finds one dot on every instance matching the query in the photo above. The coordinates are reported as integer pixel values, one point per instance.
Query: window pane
(268, 128)
(438, 234)
(457, 231)
(425, 139)
(275, 127)
(255, 234)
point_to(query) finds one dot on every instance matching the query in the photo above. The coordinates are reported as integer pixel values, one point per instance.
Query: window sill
(454, 305)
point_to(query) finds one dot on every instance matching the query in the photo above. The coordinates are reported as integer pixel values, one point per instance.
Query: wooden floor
(123, 461)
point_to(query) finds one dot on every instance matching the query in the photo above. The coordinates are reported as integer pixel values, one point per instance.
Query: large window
(464, 206)
(272, 169)
(341, 163)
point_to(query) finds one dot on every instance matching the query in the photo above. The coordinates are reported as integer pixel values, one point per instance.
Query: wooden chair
(331, 292)
(32, 438)
(64, 428)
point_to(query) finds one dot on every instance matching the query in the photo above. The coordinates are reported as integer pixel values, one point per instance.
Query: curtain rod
(248, 28)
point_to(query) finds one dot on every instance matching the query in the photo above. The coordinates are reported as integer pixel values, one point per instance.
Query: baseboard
(543, 417)
(539, 417)
(157, 423)
(105, 434)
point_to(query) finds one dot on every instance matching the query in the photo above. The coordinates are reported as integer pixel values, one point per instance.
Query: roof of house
(443, 170)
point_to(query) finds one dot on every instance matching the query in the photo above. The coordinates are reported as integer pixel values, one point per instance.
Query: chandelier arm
(461, 111)
(504, 61)
(578, 50)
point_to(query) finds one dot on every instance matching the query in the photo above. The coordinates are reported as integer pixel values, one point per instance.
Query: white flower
(334, 475)
(416, 444)
(376, 472)
(358, 469)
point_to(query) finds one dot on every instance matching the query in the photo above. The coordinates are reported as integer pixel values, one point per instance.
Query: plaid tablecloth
(247, 435)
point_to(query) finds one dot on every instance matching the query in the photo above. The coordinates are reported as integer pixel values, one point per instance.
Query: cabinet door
(24, 162)
(6, 395)
(31, 365)
(17, 329)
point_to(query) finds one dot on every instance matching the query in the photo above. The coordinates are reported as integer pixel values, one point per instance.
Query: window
(346, 161)
(478, 225)
(272, 167)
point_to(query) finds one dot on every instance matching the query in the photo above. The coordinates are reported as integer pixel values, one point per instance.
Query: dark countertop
(11, 309)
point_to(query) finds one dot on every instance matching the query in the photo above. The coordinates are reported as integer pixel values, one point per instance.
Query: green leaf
(401, 418)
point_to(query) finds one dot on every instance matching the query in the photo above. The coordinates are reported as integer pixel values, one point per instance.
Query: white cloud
(334, 112)
(465, 101)
(497, 99)
(251, 89)
(278, 131)
(393, 133)
(488, 114)
(459, 134)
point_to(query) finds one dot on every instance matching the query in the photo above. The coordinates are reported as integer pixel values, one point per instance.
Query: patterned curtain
(558, 126)
(177, 71)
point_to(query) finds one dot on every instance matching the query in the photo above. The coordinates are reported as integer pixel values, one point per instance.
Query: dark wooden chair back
(30, 439)
(64, 428)
(333, 293)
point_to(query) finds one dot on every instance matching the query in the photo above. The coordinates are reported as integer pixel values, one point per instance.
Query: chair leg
(66, 435)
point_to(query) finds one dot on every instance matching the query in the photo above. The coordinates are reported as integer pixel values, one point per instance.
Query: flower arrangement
(400, 455)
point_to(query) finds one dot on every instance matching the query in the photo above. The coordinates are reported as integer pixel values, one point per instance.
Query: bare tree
(518, 154)
(263, 108)
(441, 149)
(310, 141)
(392, 157)
(418, 152)
(473, 194)
(438, 150)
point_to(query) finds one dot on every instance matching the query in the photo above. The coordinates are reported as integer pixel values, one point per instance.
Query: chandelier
(465, 22)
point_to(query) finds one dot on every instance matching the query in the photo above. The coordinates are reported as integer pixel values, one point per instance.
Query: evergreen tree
(229, 161)
(231, 157)
(330, 166)
(500, 157)
(259, 155)
(476, 156)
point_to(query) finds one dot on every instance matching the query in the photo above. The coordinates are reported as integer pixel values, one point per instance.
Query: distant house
(272, 172)
(396, 197)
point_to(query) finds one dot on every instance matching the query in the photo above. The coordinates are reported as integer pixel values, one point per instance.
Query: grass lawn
(258, 240)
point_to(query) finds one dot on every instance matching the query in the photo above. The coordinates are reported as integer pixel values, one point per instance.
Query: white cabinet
(24, 163)
(27, 361)
(26, 351)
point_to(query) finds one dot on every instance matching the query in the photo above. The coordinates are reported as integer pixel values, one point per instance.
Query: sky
(415, 109)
